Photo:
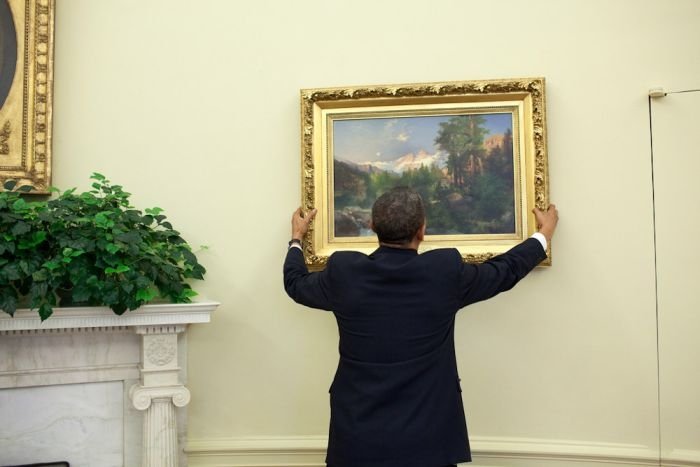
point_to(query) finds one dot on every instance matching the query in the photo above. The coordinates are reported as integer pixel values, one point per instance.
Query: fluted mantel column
(158, 393)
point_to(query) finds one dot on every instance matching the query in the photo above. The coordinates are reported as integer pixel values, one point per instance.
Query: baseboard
(310, 451)
(682, 458)
(563, 452)
(301, 451)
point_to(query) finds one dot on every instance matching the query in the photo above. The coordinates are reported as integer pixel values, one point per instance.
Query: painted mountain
(400, 165)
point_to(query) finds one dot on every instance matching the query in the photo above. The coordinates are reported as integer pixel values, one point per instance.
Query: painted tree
(462, 138)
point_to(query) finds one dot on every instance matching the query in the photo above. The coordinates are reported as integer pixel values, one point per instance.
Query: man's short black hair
(397, 215)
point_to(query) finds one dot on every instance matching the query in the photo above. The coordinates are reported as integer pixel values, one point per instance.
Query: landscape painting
(476, 151)
(462, 164)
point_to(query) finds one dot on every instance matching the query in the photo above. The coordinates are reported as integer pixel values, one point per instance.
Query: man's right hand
(547, 221)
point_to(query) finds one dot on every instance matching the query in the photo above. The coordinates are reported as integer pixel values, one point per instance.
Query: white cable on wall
(660, 92)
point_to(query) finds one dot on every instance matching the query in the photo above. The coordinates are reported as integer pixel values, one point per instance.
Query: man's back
(393, 305)
(396, 399)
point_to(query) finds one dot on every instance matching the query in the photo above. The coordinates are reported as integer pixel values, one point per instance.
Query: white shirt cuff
(296, 245)
(540, 238)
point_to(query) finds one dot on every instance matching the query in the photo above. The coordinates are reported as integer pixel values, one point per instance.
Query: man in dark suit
(396, 398)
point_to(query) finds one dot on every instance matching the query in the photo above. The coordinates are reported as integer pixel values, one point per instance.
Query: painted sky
(385, 139)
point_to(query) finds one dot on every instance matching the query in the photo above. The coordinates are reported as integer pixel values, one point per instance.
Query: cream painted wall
(193, 106)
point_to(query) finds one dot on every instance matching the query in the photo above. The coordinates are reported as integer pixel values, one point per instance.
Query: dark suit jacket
(396, 399)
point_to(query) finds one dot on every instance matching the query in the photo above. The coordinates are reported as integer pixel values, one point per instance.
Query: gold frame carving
(26, 116)
(320, 106)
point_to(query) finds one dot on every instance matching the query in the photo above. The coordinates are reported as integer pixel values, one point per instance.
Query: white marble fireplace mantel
(103, 317)
(95, 388)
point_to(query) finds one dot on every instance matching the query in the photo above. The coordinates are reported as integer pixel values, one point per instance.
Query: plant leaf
(40, 275)
(45, 311)
(8, 302)
(20, 228)
(102, 219)
(19, 205)
(154, 211)
(112, 248)
(118, 270)
(146, 294)
(51, 265)
(81, 294)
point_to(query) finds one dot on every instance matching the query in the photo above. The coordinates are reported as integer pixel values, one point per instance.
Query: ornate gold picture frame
(475, 150)
(26, 81)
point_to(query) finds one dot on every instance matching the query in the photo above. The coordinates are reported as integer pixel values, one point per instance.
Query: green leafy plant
(90, 248)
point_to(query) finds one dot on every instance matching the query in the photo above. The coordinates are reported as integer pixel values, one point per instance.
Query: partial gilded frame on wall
(26, 82)
(326, 112)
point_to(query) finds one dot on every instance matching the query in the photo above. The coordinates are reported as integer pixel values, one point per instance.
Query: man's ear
(371, 226)
(420, 235)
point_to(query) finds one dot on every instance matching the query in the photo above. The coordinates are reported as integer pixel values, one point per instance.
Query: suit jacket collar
(388, 250)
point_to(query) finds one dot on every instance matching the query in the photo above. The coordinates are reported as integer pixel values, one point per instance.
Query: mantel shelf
(103, 317)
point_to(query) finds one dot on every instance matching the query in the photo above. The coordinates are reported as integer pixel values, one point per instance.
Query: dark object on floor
(49, 464)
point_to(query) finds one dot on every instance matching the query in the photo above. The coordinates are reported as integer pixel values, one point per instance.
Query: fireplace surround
(93, 388)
